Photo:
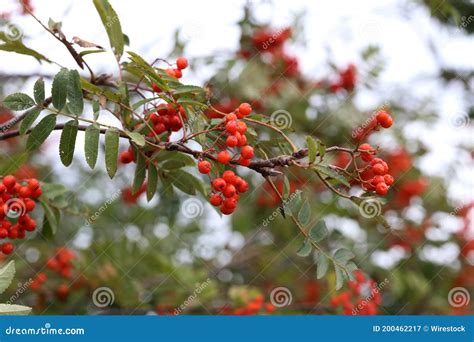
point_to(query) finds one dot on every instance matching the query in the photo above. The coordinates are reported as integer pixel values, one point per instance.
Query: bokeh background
(413, 57)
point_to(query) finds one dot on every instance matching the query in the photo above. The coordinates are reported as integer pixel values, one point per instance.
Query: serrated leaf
(29, 119)
(321, 149)
(152, 181)
(96, 109)
(7, 273)
(312, 149)
(293, 204)
(286, 188)
(17, 46)
(91, 145)
(53, 190)
(67, 142)
(343, 255)
(304, 214)
(41, 132)
(74, 93)
(173, 164)
(59, 90)
(328, 172)
(18, 102)
(137, 138)
(305, 249)
(350, 268)
(112, 137)
(38, 91)
(14, 310)
(322, 265)
(185, 182)
(318, 232)
(140, 172)
(112, 25)
(14, 163)
(187, 89)
(50, 221)
(339, 276)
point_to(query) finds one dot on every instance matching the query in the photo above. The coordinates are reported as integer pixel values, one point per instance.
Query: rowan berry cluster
(362, 298)
(227, 188)
(375, 174)
(253, 307)
(347, 79)
(17, 199)
(181, 64)
(168, 117)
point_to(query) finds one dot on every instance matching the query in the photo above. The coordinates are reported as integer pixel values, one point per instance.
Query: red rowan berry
(37, 193)
(366, 152)
(244, 162)
(204, 167)
(388, 179)
(242, 140)
(216, 200)
(229, 191)
(126, 157)
(381, 189)
(29, 204)
(241, 127)
(225, 210)
(384, 119)
(230, 117)
(224, 157)
(24, 192)
(231, 141)
(230, 203)
(170, 72)
(377, 179)
(245, 109)
(219, 184)
(247, 152)
(3, 233)
(155, 88)
(231, 127)
(178, 73)
(378, 169)
(159, 128)
(242, 186)
(3, 188)
(181, 63)
(229, 176)
(7, 248)
(9, 181)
